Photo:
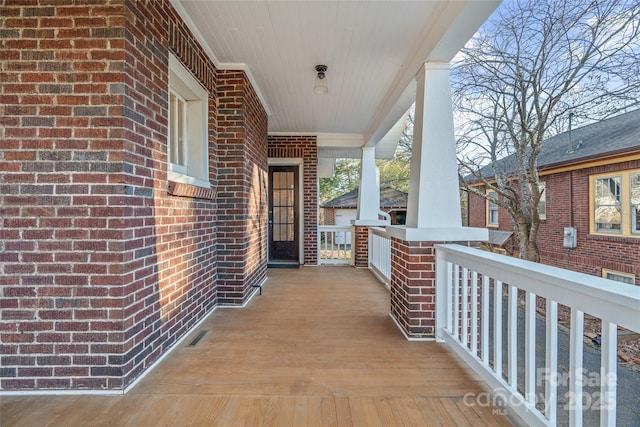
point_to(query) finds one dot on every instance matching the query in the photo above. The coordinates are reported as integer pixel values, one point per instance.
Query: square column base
(413, 275)
(413, 288)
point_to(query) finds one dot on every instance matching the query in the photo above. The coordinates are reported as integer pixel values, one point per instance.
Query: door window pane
(283, 207)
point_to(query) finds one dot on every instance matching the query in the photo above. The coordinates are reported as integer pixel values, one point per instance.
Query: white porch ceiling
(373, 49)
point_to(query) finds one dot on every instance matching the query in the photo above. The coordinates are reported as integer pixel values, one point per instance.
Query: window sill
(181, 189)
(614, 238)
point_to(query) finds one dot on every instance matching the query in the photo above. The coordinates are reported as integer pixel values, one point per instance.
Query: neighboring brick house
(592, 185)
(342, 209)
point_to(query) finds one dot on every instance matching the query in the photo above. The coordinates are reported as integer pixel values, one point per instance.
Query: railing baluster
(575, 367)
(450, 283)
(497, 328)
(456, 301)
(609, 372)
(530, 348)
(464, 318)
(474, 313)
(551, 361)
(484, 318)
(512, 340)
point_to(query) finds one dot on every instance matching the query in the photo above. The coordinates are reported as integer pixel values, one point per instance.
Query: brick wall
(593, 252)
(361, 248)
(303, 147)
(413, 287)
(104, 263)
(242, 199)
(568, 205)
(329, 216)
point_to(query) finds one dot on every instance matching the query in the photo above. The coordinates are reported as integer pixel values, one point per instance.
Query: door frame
(299, 162)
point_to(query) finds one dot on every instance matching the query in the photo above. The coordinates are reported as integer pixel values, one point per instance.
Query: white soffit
(373, 49)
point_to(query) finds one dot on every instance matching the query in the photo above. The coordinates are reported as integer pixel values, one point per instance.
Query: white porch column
(433, 206)
(369, 192)
(434, 195)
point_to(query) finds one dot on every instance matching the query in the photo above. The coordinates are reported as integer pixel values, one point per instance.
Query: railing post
(413, 288)
(360, 249)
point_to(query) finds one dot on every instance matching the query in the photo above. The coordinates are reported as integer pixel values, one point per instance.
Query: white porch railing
(335, 245)
(380, 254)
(471, 286)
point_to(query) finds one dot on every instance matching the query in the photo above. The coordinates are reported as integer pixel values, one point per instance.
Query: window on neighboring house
(607, 205)
(187, 140)
(492, 208)
(615, 202)
(542, 204)
(618, 276)
(635, 203)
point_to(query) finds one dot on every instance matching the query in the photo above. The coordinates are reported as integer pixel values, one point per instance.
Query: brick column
(413, 287)
(361, 246)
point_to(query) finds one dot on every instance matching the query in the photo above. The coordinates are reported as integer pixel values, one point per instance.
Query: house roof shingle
(389, 198)
(613, 136)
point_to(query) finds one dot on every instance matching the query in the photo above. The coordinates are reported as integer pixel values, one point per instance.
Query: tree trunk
(527, 234)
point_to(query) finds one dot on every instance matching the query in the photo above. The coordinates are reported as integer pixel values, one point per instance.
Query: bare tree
(516, 83)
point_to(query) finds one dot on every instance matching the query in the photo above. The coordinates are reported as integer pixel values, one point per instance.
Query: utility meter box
(570, 240)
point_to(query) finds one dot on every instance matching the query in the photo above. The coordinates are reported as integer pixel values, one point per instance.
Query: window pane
(542, 204)
(608, 210)
(607, 191)
(177, 130)
(493, 208)
(620, 278)
(608, 218)
(181, 132)
(635, 203)
(635, 189)
(173, 135)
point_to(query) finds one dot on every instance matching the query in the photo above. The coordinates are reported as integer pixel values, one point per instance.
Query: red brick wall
(329, 216)
(242, 199)
(65, 192)
(103, 262)
(361, 249)
(171, 249)
(593, 252)
(568, 205)
(303, 147)
(413, 287)
(477, 214)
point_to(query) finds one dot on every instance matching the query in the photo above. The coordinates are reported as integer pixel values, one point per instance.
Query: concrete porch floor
(318, 348)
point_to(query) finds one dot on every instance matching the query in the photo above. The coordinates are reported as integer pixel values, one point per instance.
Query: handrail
(465, 278)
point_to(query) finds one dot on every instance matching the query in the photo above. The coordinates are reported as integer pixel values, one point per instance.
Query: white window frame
(619, 276)
(183, 85)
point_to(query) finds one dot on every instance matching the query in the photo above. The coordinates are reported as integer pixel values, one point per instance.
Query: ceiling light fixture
(320, 85)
